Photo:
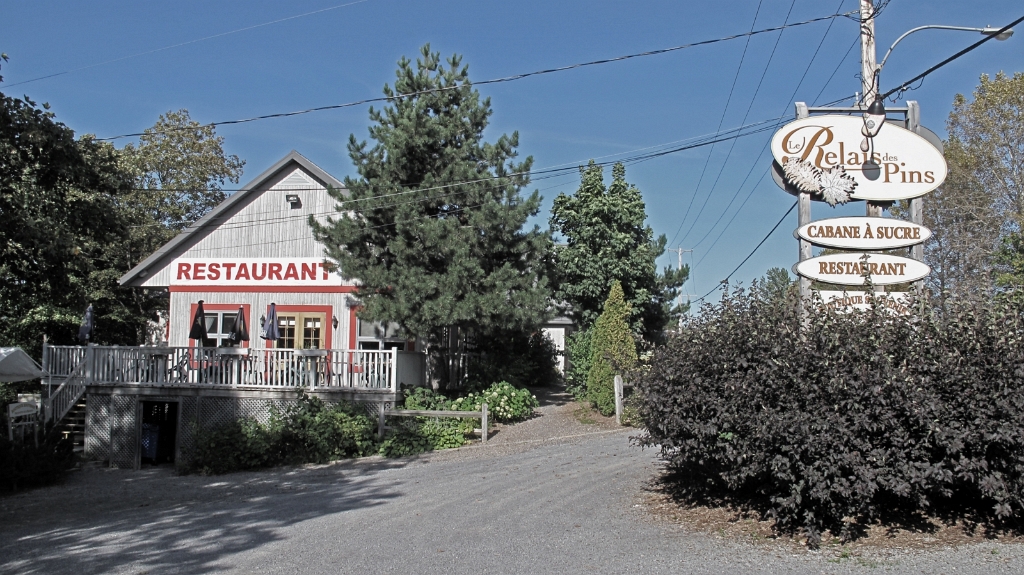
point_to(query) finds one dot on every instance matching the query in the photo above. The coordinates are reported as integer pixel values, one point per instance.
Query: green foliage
(577, 347)
(1009, 260)
(505, 403)
(607, 240)
(521, 359)
(309, 431)
(613, 351)
(434, 226)
(179, 166)
(25, 465)
(59, 197)
(423, 434)
(852, 419)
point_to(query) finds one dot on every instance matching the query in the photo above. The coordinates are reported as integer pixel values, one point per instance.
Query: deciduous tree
(608, 240)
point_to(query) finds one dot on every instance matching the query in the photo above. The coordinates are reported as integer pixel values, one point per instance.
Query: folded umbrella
(198, 330)
(270, 332)
(239, 331)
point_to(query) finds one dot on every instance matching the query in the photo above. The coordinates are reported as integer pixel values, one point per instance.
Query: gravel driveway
(549, 495)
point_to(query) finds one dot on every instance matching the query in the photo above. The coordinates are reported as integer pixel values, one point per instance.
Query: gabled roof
(211, 219)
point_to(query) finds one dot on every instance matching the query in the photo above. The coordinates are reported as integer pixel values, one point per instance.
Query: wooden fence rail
(481, 415)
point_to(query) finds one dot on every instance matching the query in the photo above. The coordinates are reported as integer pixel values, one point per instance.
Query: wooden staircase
(73, 425)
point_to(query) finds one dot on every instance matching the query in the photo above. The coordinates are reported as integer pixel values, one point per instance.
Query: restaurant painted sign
(853, 268)
(821, 155)
(252, 271)
(863, 233)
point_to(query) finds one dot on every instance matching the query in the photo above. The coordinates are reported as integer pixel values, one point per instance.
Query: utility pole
(679, 252)
(868, 71)
(869, 84)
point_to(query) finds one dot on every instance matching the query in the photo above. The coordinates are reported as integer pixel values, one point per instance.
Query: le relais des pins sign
(822, 155)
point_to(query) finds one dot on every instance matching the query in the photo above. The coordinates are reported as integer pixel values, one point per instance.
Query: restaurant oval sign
(822, 155)
(853, 268)
(863, 233)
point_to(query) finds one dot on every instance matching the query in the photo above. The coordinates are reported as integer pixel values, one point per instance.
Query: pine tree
(612, 350)
(606, 240)
(434, 226)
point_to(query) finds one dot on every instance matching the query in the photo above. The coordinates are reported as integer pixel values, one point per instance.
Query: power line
(746, 114)
(906, 85)
(757, 160)
(105, 62)
(493, 81)
(721, 120)
(759, 244)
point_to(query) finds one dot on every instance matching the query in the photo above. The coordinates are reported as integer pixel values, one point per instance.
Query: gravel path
(549, 495)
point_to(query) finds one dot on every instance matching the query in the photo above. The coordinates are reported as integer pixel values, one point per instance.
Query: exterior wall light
(294, 200)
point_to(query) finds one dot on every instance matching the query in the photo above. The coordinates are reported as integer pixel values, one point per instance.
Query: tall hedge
(855, 418)
(612, 348)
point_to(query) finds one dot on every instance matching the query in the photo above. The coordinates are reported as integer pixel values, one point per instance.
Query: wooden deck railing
(272, 368)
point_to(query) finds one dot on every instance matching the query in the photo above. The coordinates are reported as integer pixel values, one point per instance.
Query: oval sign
(850, 269)
(21, 409)
(863, 233)
(901, 164)
(894, 302)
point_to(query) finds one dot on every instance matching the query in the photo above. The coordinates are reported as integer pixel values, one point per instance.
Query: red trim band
(264, 289)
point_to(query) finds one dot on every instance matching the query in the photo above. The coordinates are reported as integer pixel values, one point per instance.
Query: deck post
(380, 420)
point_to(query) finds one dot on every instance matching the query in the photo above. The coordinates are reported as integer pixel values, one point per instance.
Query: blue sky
(349, 53)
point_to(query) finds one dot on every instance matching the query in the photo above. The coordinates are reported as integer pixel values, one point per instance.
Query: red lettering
(243, 272)
(199, 271)
(213, 273)
(323, 267)
(308, 271)
(290, 273)
(263, 272)
(275, 272)
(227, 270)
(184, 271)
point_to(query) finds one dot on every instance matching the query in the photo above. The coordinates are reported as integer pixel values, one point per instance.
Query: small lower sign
(897, 303)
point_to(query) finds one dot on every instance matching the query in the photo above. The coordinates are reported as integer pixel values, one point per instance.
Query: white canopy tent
(16, 365)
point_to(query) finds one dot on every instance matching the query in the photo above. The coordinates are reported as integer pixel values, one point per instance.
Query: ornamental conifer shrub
(855, 418)
(613, 350)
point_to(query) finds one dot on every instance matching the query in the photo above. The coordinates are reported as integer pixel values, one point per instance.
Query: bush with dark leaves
(848, 419)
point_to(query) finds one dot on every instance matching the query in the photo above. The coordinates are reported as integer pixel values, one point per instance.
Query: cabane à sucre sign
(852, 268)
(863, 233)
(899, 166)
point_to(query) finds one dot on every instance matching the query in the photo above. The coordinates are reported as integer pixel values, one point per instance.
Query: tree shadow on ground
(104, 521)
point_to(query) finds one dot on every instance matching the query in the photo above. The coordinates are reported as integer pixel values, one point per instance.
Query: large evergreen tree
(434, 226)
(607, 239)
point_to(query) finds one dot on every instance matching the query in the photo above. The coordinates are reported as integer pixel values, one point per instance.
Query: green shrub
(523, 359)
(577, 347)
(309, 431)
(613, 350)
(854, 418)
(26, 465)
(505, 403)
(423, 434)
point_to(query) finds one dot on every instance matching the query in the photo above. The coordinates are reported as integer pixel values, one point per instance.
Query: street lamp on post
(877, 107)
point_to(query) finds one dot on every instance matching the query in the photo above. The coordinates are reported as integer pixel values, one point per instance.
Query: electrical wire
(746, 114)
(721, 120)
(757, 161)
(906, 85)
(751, 254)
(155, 50)
(492, 81)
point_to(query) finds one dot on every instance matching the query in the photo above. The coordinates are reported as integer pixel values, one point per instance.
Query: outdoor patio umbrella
(85, 330)
(239, 331)
(198, 330)
(269, 329)
(16, 365)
